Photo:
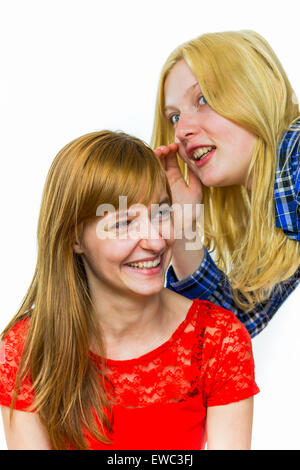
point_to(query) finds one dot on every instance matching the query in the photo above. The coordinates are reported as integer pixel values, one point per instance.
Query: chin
(152, 290)
(146, 291)
(212, 179)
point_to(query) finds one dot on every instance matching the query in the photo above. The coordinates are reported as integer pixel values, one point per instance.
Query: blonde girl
(227, 129)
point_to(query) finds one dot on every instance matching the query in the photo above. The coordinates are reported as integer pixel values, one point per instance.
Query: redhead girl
(101, 355)
(227, 130)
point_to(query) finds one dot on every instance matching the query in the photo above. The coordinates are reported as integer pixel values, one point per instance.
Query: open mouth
(146, 264)
(202, 152)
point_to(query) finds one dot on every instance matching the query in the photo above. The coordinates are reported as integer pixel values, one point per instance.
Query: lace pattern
(10, 353)
(209, 355)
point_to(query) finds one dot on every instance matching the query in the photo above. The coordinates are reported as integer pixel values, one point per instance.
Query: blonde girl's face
(128, 253)
(216, 149)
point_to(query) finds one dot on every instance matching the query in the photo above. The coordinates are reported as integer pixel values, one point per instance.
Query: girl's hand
(181, 193)
(185, 259)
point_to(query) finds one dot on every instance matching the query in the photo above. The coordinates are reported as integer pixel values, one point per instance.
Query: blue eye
(174, 119)
(202, 100)
(164, 212)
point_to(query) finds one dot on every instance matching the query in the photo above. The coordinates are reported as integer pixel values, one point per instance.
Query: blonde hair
(69, 397)
(242, 80)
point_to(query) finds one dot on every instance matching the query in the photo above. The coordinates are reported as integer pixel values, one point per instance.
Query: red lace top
(162, 396)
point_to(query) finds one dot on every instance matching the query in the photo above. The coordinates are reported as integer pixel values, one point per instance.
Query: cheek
(166, 229)
(235, 145)
(181, 148)
(241, 151)
(115, 252)
(239, 139)
(222, 130)
(170, 244)
(104, 254)
(247, 144)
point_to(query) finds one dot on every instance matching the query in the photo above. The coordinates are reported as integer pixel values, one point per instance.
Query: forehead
(179, 82)
(163, 198)
(127, 208)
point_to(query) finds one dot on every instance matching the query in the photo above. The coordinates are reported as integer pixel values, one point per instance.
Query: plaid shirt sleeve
(208, 282)
(287, 183)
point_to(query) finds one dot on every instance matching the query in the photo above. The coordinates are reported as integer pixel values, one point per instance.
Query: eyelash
(167, 211)
(170, 118)
(120, 224)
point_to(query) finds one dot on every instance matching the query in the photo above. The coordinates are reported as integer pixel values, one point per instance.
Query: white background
(69, 67)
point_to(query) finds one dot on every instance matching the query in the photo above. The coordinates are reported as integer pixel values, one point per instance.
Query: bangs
(142, 183)
(122, 165)
(139, 176)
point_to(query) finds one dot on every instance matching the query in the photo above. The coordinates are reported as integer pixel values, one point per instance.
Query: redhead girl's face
(128, 253)
(216, 149)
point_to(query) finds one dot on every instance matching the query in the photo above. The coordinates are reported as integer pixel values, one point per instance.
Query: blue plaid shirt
(208, 282)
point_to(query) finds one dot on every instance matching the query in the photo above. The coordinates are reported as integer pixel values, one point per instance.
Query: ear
(77, 248)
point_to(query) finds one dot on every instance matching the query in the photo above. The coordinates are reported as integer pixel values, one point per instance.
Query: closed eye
(121, 224)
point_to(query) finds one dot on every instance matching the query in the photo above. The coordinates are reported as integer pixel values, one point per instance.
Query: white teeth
(146, 264)
(201, 152)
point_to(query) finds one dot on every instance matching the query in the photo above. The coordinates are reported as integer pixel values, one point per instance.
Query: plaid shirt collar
(287, 183)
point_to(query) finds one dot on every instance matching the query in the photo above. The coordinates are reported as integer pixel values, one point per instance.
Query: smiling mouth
(201, 152)
(146, 264)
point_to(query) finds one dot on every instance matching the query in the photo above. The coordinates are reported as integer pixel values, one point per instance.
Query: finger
(173, 147)
(162, 150)
(161, 157)
(167, 155)
(166, 149)
(158, 152)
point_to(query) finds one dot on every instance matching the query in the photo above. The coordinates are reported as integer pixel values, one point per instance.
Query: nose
(153, 245)
(186, 127)
(151, 238)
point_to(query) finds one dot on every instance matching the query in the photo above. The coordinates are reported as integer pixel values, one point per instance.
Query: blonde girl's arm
(25, 431)
(187, 251)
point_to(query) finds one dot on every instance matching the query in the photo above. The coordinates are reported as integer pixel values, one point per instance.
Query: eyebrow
(165, 200)
(192, 87)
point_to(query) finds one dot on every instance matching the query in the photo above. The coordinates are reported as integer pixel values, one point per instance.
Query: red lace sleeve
(228, 359)
(10, 354)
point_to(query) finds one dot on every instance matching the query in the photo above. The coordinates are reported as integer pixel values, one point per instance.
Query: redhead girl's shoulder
(13, 341)
(10, 355)
(216, 319)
